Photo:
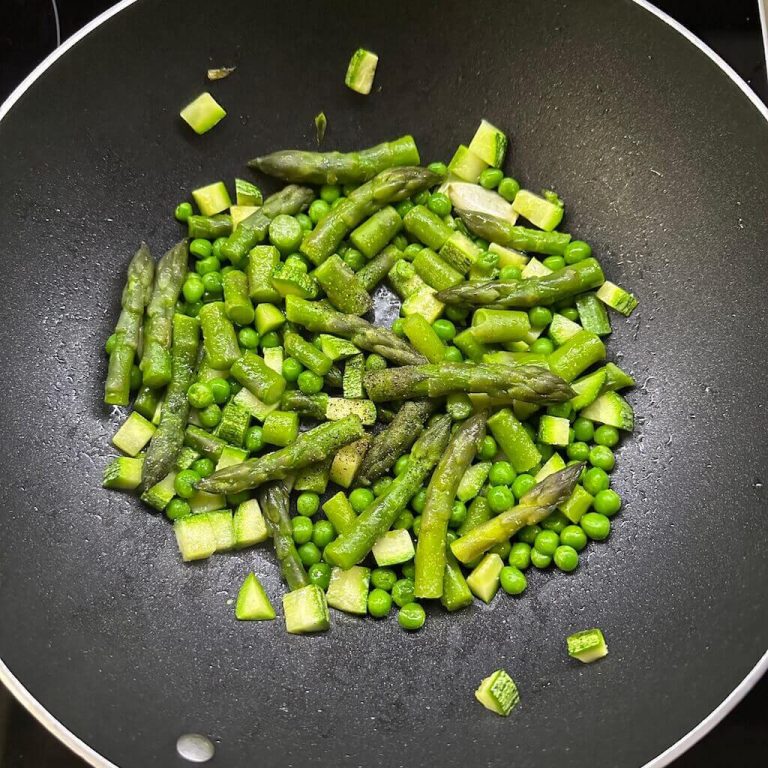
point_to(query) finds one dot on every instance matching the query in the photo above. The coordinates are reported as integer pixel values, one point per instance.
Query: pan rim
(96, 760)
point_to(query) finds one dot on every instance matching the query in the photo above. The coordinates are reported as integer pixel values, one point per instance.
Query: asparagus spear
(169, 276)
(318, 318)
(251, 231)
(390, 186)
(378, 267)
(308, 448)
(507, 234)
(337, 167)
(136, 293)
(545, 290)
(395, 440)
(376, 519)
(273, 499)
(537, 504)
(168, 439)
(529, 383)
(430, 549)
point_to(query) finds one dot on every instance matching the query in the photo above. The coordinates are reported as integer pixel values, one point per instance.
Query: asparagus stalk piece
(430, 549)
(377, 518)
(168, 439)
(529, 383)
(395, 440)
(136, 293)
(390, 186)
(308, 448)
(337, 167)
(251, 231)
(209, 227)
(512, 236)
(273, 500)
(318, 318)
(537, 504)
(545, 290)
(169, 276)
(376, 269)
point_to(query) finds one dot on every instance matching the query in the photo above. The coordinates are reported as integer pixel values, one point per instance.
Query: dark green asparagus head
(554, 489)
(486, 226)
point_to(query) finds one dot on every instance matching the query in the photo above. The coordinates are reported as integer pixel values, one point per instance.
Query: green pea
(510, 273)
(320, 575)
(595, 525)
(404, 521)
(307, 503)
(210, 416)
(542, 346)
(248, 338)
(602, 456)
(583, 430)
(203, 466)
(577, 250)
(337, 202)
(422, 198)
(400, 242)
(508, 188)
(383, 578)
(285, 233)
(304, 221)
(330, 192)
(361, 498)
(501, 472)
(453, 355)
(216, 247)
(439, 203)
(488, 449)
(354, 259)
(513, 580)
(375, 362)
(379, 603)
(554, 262)
(556, 522)
(309, 554)
(323, 534)
(310, 383)
(566, 558)
(578, 451)
(573, 536)
(522, 484)
(540, 560)
(403, 207)
(459, 406)
(458, 514)
(528, 534)
(412, 251)
(499, 498)
(445, 329)
(441, 169)
(212, 283)
(403, 592)
(539, 316)
(201, 248)
(184, 483)
(607, 502)
(411, 617)
(595, 480)
(456, 314)
(302, 529)
(570, 313)
(502, 549)
(110, 343)
(270, 340)
(482, 244)
(220, 389)
(193, 288)
(546, 542)
(409, 571)
(208, 264)
(183, 211)
(607, 435)
(418, 501)
(416, 527)
(520, 555)
(136, 378)
(381, 486)
(317, 210)
(397, 327)
(177, 508)
(402, 464)
(292, 368)
(490, 178)
(254, 439)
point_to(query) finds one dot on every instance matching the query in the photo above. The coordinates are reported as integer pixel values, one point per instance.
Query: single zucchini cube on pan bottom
(306, 610)
(252, 601)
(587, 646)
(195, 537)
(361, 71)
(348, 590)
(498, 693)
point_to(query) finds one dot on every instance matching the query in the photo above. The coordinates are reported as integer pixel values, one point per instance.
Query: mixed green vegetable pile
(436, 460)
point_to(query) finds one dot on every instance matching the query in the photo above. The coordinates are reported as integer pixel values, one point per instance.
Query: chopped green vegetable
(498, 693)
(306, 610)
(348, 590)
(489, 144)
(252, 601)
(203, 113)
(587, 646)
(617, 298)
(361, 71)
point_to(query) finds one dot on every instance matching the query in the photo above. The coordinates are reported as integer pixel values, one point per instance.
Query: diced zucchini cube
(123, 473)
(588, 645)
(577, 504)
(255, 407)
(203, 502)
(212, 199)
(460, 252)
(466, 165)
(250, 526)
(195, 537)
(347, 461)
(553, 430)
(273, 358)
(203, 113)
(489, 144)
(231, 455)
(159, 495)
(361, 71)
(247, 194)
(348, 590)
(561, 329)
(534, 268)
(424, 303)
(306, 610)
(555, 463)
(134, 434)
(340, 512)
(498, 693)
(252, 601)
(587, 389)
(223, 529)
(612, 409)
(617, 298)
(240, 212)
(538, 210)
(339, 408)
(393, 548)
(484, 579)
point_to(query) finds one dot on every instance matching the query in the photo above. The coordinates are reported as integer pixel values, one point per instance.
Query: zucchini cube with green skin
(561, 329)
(347, 461)
(555, 463)
(336, 348)
(247, 193)
(361, 71)
(230, 456)
(249, 523)
(159, 495)
(424, 303)
(348, 590)
(393, 548)
(212, 199)
(612, 409)
(268, 318)
(617, 298)
(273, 358)
(498, 693)
(587, 389)
(234, 423)
(223, 529)
(489, 144)
(339, 408)
(195, 537)
(281, 428)
(123, 473)
(314, 477)
(340, 512)
(466, 165)
(592, 314)
(484, 579)
(534, 268)
(577, 504)
(255, 407)
(508, 257)
(203, 502)
(306, 610)
(460, 252)
(616, 378)
(542, 213)
(203, 113)
(252, 601)
(587, 646)
(134, 434)
(290, 280)
(241, 212)
(553, 430)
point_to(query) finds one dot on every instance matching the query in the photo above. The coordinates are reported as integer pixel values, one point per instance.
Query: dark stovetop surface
(28, 33)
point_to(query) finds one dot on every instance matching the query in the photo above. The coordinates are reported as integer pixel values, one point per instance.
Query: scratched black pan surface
(663, 162)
